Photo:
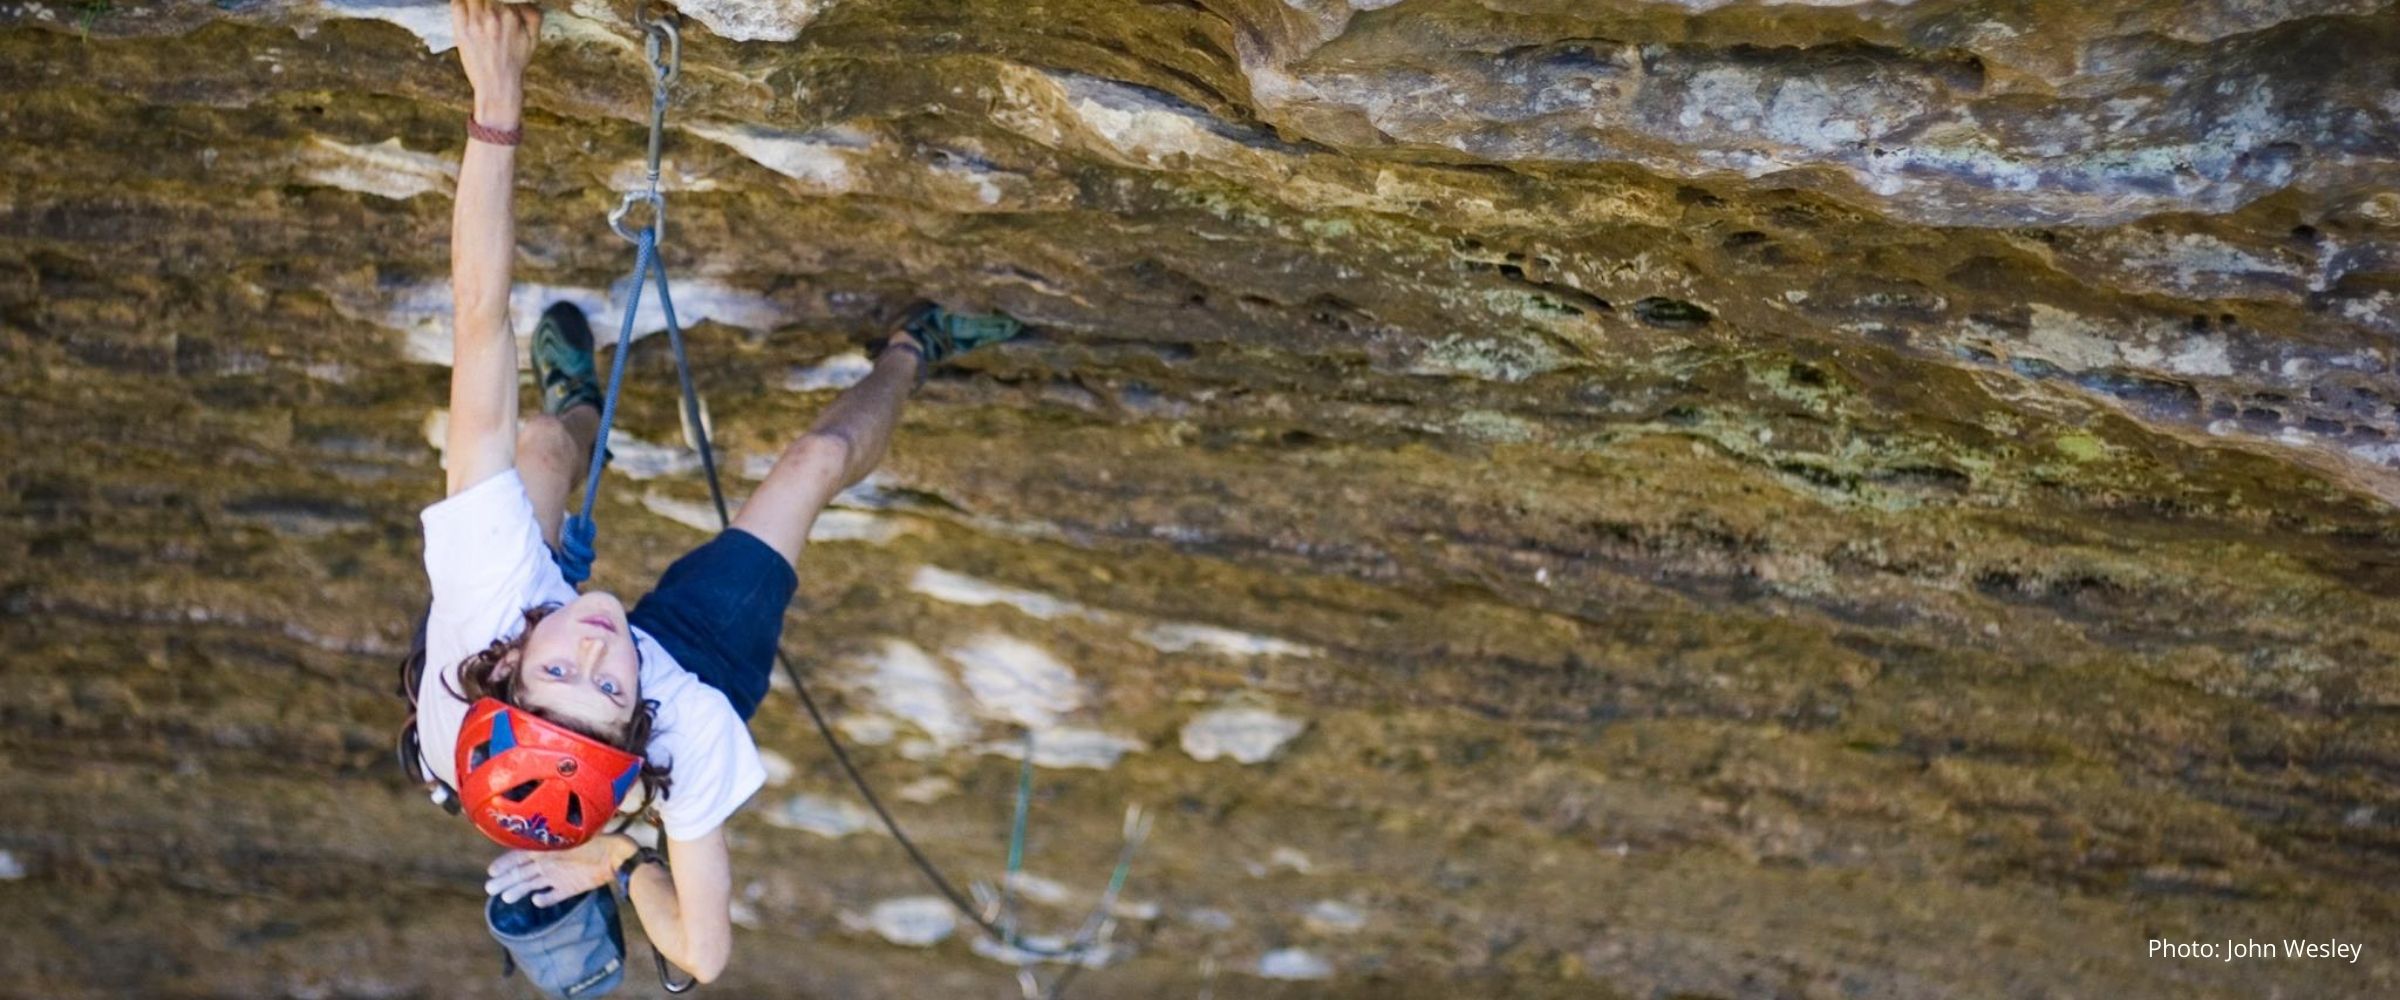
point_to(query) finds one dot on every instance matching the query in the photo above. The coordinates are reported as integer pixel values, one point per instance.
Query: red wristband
(498, 137)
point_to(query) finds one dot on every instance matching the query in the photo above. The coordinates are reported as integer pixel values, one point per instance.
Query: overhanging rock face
(1538, 498)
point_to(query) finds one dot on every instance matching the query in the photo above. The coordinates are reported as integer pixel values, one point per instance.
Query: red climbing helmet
(533, 784)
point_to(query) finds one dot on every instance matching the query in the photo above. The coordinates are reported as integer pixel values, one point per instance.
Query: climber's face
(580, 663)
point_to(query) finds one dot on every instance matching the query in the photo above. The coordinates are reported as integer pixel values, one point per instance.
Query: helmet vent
(521, 792)
(574, 810)
(482, 752)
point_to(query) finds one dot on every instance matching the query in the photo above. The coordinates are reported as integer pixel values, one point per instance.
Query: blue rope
(576, 544)
(691, 396)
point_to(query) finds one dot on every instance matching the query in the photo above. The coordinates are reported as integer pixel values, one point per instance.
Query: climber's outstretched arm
(845, 444)
(495, 42)
(689, 914)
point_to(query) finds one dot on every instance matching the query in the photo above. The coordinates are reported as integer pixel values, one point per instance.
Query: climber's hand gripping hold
(495, 44)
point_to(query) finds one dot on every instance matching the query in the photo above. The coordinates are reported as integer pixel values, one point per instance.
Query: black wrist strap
(641, 856)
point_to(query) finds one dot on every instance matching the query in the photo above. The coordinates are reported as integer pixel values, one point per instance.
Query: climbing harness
(996, 914)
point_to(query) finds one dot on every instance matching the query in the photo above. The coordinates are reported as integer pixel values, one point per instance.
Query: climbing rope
(663, 47)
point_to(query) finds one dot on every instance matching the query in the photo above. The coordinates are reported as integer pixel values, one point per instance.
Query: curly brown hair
(477, 674)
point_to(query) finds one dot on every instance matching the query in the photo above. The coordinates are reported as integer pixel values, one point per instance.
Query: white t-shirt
(485, 557)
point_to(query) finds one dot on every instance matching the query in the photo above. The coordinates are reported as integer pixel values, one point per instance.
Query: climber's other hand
(552, 876)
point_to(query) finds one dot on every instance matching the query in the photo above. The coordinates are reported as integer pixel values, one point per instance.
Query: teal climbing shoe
(563, 367)
(943, 334)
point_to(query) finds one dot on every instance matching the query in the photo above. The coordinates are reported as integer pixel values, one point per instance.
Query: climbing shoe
(942, 334)
(563, 367)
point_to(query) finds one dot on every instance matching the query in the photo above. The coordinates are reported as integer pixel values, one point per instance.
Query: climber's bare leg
(845, 444)
(554, 453)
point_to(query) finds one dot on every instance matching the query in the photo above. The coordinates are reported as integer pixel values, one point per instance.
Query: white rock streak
(1065, 747)
(959, 588)
(1248, 735)
(1328, 916)
(821, 161)
(1046, 891)
(1287, 859)
(779, 767)
(840, 371)
(836, 525)
(641, 460)
(1294, 963)
(909, 921)
(927, 790)
(1177, 637)
(1016, 681)
(755, 20)
(1166, 637)
(825, 817)
(697, 515)
(902, 681)
(428, 21)
(422, 311)
(385, 169)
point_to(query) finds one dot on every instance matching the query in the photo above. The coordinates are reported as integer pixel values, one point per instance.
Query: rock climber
(543, 708)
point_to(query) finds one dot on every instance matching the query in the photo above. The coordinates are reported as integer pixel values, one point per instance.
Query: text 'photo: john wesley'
(2229, 950)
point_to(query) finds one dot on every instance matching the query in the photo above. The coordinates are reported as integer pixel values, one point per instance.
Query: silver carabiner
(658, 216)
(666, 71)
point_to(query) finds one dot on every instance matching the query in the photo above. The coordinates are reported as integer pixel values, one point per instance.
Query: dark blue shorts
(719, 612)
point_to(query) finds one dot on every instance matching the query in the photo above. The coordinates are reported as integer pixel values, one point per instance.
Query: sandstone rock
(1876, 494)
